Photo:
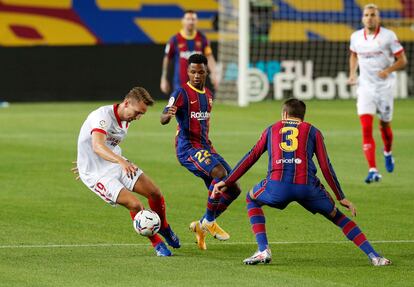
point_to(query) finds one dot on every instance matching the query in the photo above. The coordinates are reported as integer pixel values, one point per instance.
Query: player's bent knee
(135, 205)
(128, 200)
(385, 125)
(219, 172)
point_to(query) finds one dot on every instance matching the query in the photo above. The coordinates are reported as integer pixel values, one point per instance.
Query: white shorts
(376, 101)
(112, 182)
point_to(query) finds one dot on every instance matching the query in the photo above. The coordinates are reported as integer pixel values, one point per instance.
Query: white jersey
(375, 53)
(104, 120)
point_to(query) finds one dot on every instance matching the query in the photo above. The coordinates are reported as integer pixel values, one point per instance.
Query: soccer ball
(147, 222)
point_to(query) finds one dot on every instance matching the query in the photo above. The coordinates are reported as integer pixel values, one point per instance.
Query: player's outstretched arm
(326, 167)
(349, 206)
(167, 116)
(99, 147)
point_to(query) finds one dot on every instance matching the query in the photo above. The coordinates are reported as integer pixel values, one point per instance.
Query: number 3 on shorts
(291, 142)
(201, 155)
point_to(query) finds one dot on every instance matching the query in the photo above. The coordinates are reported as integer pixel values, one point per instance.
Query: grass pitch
(55, 232)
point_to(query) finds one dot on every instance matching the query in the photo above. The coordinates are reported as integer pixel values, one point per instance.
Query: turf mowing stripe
(212, 243)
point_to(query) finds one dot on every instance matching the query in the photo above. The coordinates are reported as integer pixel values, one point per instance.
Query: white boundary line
(187, 243)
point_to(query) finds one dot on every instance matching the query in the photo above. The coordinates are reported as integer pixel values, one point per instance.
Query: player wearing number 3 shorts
(112, 177)
(374, 49)
(291, 176)
(191, 105)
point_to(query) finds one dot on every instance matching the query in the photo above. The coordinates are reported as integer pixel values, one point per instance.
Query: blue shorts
(279, 194)
(201, 162)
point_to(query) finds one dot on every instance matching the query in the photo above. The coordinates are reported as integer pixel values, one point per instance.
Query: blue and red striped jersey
(193, 117)
(291, 145)
(180, 48)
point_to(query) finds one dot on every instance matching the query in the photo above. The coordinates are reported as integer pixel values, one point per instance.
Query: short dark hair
(295, 108)
(189, 12)
(140, 94)
(197, 59)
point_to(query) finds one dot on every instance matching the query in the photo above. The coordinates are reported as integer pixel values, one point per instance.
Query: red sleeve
(399, 52)
(248, 160)
(98, 131)
(326, 167)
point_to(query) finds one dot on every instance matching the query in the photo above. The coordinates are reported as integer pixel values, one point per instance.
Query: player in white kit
(374, 50)
(112, 177)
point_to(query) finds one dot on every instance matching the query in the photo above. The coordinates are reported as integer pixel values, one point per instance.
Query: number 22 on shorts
(201, 155)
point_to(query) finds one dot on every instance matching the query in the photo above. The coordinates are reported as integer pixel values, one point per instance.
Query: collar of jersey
(195, 89)
(191, 37)
(118, 119)
(292, 120)
(375, 34)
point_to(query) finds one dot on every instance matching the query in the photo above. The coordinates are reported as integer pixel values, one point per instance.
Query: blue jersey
(193, 117)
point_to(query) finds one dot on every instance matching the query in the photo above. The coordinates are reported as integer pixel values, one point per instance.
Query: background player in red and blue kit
(291, 144)
(180, 47)
(191, 105)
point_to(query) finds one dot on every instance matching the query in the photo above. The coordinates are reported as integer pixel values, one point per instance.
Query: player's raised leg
(127, 199)
(232, 192)
(208, 221)
(145, 186)
(369, 147)
(387, 138)
(227, 198)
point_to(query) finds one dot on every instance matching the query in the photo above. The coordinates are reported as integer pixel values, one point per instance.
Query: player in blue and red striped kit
(180, 47)
(291, 144)
(191, 105)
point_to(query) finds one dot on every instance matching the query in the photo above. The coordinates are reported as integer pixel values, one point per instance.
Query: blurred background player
(191, 105)
(180, 47)
(374, 49)
(112, 177)
(291, 144)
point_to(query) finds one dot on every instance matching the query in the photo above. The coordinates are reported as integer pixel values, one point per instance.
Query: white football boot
(264, 257)
(380, 261)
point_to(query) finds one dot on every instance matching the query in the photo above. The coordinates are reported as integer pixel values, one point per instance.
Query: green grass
(42, 204)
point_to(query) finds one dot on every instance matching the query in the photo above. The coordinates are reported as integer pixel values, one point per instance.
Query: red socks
(158, 205)
(387, 136)
(367, 139)
(154, 239)
(132, 213)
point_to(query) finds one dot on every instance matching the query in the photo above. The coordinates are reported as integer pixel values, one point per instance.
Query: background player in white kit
(111, 176)
(374, 49)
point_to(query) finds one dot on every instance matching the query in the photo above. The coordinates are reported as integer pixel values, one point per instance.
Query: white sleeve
(352, 43)
(395, 45)
(100, 121)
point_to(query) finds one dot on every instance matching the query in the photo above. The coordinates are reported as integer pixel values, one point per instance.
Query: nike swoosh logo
(193, 102)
